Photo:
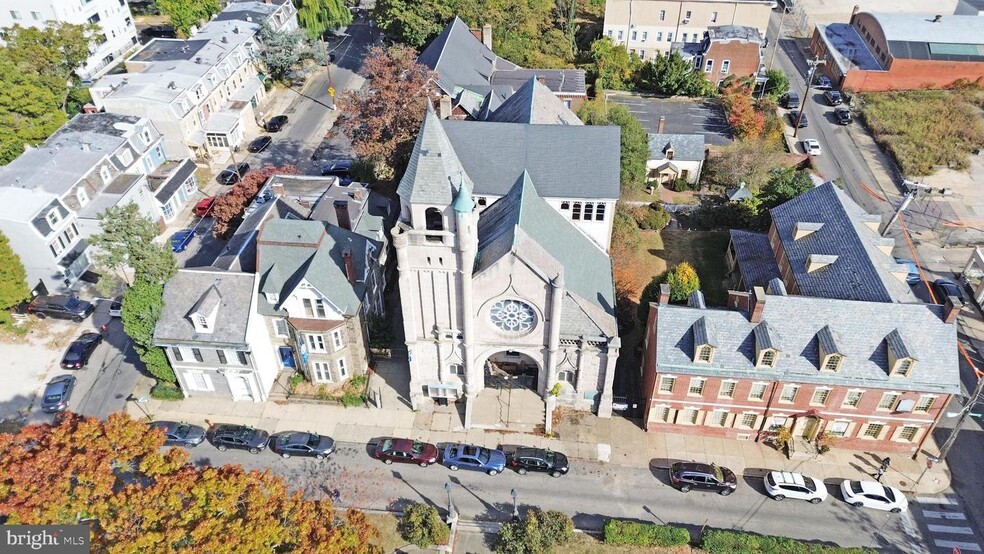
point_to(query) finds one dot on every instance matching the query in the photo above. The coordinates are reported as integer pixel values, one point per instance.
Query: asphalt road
(591, 494)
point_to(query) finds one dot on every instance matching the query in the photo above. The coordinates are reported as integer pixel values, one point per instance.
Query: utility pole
(964, 414)
(902, 206)
(775, 47)
(806, 95)
(331, 88)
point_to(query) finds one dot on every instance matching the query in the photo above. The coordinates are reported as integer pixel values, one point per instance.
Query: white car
(784, 484)
(116, 308)
(812, 147)
(872, 494)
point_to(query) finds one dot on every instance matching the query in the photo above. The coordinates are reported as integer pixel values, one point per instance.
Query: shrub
(157, 365)
(652, 217)
(166, 391)
(296, 379)
(351, 399)
(538, 532)
(556, 527)
(716, 541)
(630, 533)
(422, 526)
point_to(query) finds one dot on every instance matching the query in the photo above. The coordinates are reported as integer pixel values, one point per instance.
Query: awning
(248, 90)
(73, 254)
(222, 122)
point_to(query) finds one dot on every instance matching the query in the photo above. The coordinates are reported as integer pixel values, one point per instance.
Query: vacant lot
(926, 129)
(703, 249)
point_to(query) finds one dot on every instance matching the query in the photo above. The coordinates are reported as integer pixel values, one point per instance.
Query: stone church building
(516, 293)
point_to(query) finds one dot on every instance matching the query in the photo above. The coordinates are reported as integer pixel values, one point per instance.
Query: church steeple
(463, 203)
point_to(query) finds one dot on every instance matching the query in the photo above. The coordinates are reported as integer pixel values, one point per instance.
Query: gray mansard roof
(460, 59)
(524, 224)
(863, 333)
(188, 288)
(688, 148)
(862, 270)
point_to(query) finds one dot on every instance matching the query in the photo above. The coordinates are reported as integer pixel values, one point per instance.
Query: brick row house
(822, 335)
(877, 382)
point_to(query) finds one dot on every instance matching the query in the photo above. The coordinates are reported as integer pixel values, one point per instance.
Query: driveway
(684, 116)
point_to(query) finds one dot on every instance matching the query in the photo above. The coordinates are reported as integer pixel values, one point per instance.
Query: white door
(240, 388)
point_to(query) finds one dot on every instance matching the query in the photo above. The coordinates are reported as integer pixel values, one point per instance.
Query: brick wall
(743, 58)
(912, 74)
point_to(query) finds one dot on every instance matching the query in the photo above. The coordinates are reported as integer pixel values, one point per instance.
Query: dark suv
(538, 459)
(693, 475)
(790, 100)
(833, 98)
(239, 436)
(60, 307)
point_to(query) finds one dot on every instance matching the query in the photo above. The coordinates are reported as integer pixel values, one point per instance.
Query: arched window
(566, 376)
(576, 212)
(434, 220)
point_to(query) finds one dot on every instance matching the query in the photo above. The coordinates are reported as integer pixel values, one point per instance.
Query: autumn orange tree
(229, 207)
(139, 499)
(383, 118)
(745, 120)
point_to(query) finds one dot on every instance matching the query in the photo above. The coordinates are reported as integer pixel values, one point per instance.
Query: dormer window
(766, 346)
(669, 153)
(833, 362)
(904, 367)
(767, 358)
(272, 297)
(126, 158)
(900, 359)
(53, 217)
(205, 311)
(104, 173)
(705, 354)
(145, 135)
(829, 353)
(703, 345)
(82, 196)
(201, 322)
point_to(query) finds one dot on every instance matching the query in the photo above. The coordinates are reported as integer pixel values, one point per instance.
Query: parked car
(784, 484)
(822, 82)
(913, 276)
(790, 100)
(405, 451)
(180, 434)
(833, 98)
(232, 174)
(60, 307)
(843, 115)
(692, 475)
(476, 458)
(538, 459)
(116, 308)
(225, 436)
(944, 288)
(295, 443)
(204, 206)
(338, 168)
(260, 143)
(160, 31)
(181, 239)
(812, 147)
(77, 354)
(872, 494)
(276, 123)
(793, 116)
(56, 394)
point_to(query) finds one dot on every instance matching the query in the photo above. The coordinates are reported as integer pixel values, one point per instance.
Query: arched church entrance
(511, 398)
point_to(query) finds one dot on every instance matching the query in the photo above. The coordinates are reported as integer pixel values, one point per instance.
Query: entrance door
(808, 427)
(240, 388)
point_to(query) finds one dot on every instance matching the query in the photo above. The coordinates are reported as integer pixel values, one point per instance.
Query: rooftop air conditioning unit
(685, 21)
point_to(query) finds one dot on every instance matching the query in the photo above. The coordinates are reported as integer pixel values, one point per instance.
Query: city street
(591, 493)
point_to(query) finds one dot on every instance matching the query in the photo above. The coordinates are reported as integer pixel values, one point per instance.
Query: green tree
(673, 76)
(683, 280)
(283, 52)
(422, 525)
(78, 97)
(612, 66)
(744, 160)
(13, 280)
(537, 533)
(184, 14)
(777, 83)
(317, 16)
(142, 305)
(518, 27)
(29, 110)
(127, 240)
(634, 143)
(413, 22)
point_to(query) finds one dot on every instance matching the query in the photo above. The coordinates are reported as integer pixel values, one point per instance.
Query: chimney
(487, 36)
(951, 309)
(90, 108)
(342, 215)
(738, 300)
(661, 125)
(542, 81)
(358, 195)
(445, 111)
(854, 12)
(937, 19)
(277, 189)
(86, 147)
(757, 305)
(349, 265)
(664, 294)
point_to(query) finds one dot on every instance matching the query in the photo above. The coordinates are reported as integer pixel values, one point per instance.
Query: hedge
(716, 541)
(166, 391)
(644, 534)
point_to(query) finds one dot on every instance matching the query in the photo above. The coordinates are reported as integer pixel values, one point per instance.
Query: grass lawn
(703, 249)
(587, 544)
(926, 129)
(389, 538)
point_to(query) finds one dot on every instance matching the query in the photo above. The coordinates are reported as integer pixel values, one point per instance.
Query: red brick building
(847, 351)
(877, 51)
(726, 50)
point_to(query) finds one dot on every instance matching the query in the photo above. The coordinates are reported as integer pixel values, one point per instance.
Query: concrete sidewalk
(581, 436)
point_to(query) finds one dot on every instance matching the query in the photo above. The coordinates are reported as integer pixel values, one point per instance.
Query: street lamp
(515, 507)
(452, 512)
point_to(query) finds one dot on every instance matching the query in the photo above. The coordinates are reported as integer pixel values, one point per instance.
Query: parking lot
(684, 116)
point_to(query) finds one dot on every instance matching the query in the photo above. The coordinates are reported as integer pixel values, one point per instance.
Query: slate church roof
(534, 103)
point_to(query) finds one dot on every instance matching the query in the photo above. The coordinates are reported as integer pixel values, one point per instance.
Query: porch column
(553, 344)
(610, 357)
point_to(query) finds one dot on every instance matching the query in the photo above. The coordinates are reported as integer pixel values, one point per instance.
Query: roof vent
(804, 228)
(172, 85)
(236, 29)
(225, 39)
(184, 47)
(817, 261)
(198, 60)
(249, 18)
(937, 19)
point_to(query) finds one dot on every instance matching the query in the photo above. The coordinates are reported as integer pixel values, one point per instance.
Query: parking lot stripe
(943, 515)
(942, 500)
(950, 529)
(963, 546)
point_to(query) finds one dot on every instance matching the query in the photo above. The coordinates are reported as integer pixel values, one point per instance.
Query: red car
(405, 451)
(205, 206)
